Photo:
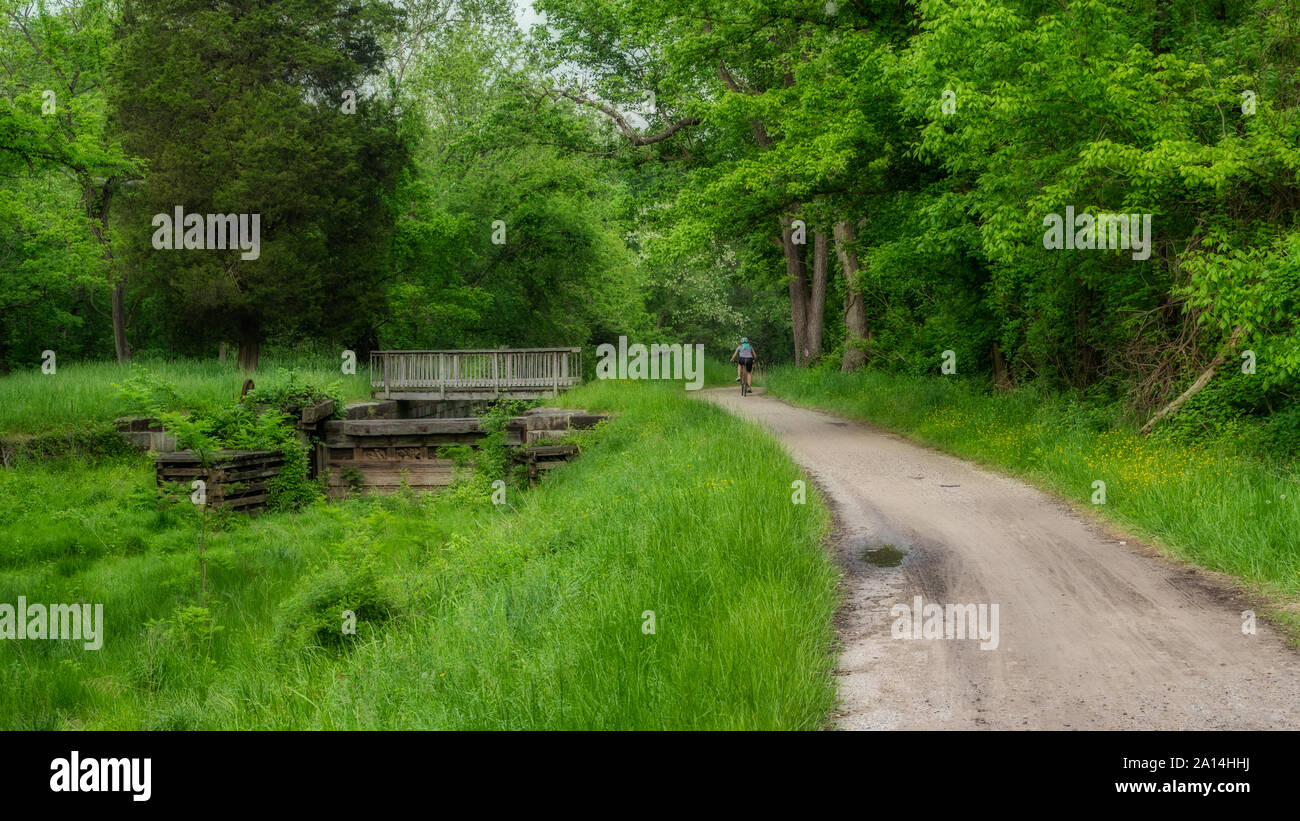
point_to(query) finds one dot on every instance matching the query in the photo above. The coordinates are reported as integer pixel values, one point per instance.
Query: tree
(510, 228)
(260, 109)
(55, 60)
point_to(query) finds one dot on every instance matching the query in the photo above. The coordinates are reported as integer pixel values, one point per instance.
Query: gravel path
(1092, 633)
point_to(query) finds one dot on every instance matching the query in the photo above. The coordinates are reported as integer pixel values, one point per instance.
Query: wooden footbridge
(512, 373)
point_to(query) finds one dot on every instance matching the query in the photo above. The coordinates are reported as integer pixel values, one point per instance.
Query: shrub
(317, 614)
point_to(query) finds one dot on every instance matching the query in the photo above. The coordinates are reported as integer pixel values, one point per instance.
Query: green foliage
(379, 143)
(60, 170)
(490, 459)
(462, 455)
(945, 132)
(493, 454)
(93, 394)
(147, 395)
(190, 627)
(478, 195)
(503, 233)
(193, 433)
(91, 442)
(289, 391)
(354, 478)
(1282, 433)
(322, 611)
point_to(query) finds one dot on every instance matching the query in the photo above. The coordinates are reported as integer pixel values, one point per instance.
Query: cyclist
(744, 356)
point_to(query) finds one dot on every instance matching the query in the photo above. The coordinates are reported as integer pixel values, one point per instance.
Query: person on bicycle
(744, 356)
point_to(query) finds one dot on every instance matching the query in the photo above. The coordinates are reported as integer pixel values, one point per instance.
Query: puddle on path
(885, 555)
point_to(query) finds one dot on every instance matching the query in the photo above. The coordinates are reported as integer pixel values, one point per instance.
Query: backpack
(746, 352)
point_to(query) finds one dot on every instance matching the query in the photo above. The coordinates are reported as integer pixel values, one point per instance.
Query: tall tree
(253, 108)
(55, 61)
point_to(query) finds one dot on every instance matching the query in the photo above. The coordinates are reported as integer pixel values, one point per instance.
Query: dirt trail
(1092, 633)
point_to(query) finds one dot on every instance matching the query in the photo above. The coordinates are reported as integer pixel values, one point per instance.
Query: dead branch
(1201, 382)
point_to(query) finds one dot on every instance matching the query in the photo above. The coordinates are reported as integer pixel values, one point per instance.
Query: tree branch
(633, 136)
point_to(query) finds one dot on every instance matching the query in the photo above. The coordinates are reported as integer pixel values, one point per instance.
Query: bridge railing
(517, 370)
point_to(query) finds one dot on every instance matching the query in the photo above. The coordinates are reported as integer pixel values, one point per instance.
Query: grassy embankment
(1205, 504)
(469, 615)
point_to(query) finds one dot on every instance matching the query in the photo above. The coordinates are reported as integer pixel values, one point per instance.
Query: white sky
(525, 16)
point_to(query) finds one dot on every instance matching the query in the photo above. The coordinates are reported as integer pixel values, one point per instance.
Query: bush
(338, 606)
(189, 627)
(494, 457)
(1282, 434)
(289, 392)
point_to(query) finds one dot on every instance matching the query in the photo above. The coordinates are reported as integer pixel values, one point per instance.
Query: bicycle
(745, 376)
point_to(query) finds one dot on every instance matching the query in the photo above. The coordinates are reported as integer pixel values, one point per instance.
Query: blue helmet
(744, 340)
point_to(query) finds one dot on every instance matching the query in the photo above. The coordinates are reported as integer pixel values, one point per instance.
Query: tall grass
(527, 616)
(1206, 504)
(78, 394)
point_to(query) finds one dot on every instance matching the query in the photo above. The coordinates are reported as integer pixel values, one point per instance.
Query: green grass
(78, 395)
(528, 617)
(1206, 505)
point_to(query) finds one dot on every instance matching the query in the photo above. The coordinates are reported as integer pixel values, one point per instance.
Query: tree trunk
(1001, 378)
(855, 312)
(817, 298)
(250, 347)
(796, 273)
(121, 346)
(221, 353)
(96, 199)
(1201, 382)
(369, 341)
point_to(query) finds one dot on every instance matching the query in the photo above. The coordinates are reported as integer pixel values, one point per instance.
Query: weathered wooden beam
(236, 479)
(314, 413)
(382, 409)
(407, 427)
(187, 456)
